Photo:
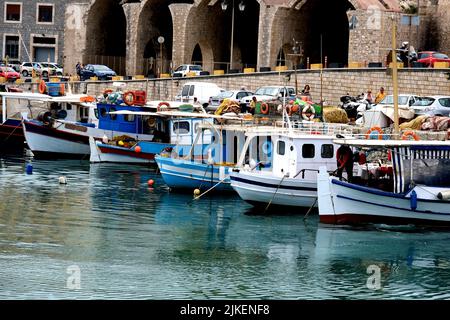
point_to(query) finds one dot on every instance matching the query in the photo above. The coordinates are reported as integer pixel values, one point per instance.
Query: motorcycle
(354, 106)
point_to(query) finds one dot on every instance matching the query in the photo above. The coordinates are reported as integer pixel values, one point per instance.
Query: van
(201, 90)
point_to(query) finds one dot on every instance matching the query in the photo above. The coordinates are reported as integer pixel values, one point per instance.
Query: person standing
(78, 69)
(380, 95)
(344, 157)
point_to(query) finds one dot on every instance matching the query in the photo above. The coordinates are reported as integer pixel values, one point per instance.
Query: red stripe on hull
(129, 153)
(350, 219)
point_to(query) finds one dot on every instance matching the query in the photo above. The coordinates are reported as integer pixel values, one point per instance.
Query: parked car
(270, 93)
(236, 95)
(203, 91)
(435, 106)
(184, 69)
(47, 69)
(404, 100)
(56, 68)
(9, 73)
(428, 58)
(100, 71)
(26, 69)
(15, 64)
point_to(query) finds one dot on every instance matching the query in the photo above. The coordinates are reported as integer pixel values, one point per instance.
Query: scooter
(354, 106)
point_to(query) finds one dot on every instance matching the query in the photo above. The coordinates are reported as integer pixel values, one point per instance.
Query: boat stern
(325, 196)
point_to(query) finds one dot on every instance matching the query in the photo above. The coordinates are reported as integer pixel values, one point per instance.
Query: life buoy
(380, 132)
(163, 104)
(107, 91)
(129, 98)
(309, 109)
(87, 99)
(408, 134)
(62, 89)
(42, 87)
(264, 108)
(151, 122)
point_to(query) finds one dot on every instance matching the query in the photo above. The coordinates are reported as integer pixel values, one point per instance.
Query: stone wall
(335, 83)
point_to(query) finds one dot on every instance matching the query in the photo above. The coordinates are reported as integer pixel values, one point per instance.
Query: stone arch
(207, 54)
(106, 28)
(306, 25)
(155, 20)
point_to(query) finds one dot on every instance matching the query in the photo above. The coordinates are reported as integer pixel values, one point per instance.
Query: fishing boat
(16, 105)
(413, 188)
(289, 176)
(207, 165)
(171, 129)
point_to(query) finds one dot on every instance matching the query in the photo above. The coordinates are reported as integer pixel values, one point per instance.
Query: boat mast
(395, 78)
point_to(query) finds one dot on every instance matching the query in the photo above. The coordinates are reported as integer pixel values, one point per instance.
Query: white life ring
(308, 109)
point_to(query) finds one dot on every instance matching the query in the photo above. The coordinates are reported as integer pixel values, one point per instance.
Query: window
(185, 91)
(440, 56)
(44, 40)
(181, 127)
(112, 116)
(327, 151)
(12, 47)
(281, 148)
(308, 151)
(129, 117)
(445, 102)
(13, 12)
(45, 13)
(191, 91)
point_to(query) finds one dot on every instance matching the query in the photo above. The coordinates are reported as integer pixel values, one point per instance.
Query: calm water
(131, 242)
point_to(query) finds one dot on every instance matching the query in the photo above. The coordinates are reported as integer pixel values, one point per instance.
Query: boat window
(68, 106)
(191, 91)
(96, 113)
(129, 117)
(185, 90)
(281, 148)
(181, 127)
(112, 116)
(327, 151)
(103, 112)
(308, 151)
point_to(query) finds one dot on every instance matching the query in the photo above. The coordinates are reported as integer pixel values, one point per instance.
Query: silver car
(235, 95)
(434, 106)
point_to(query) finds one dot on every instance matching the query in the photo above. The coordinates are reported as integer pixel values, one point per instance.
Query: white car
(270, 93)
(235, 95)
(58, 68)
(434, 106)
(404, 100)
(184, 69)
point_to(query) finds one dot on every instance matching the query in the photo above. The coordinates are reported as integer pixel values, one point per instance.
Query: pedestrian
(344, 157)
(253, 105)
(380, 96)
(306, 93)
(78, 68)
(368, 96)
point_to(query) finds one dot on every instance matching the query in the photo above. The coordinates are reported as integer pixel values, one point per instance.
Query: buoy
(137, 149)
(120, 143)
(150, 182)
(29, 168)
(105, 139)
(62, 180)
(197, 192)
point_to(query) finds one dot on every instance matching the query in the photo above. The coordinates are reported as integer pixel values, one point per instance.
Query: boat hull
(345, 203)
(101, 152)
(11, 136)
(183, 174)
(49, 143)
(260, 189)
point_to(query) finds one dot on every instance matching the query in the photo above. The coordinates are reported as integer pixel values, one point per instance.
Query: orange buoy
(62, 89)
(42, 87)
(137, 149)
(412, 134)
(375, 128)
(150, 183)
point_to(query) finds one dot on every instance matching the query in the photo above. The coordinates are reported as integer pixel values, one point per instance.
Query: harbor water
(106, 235)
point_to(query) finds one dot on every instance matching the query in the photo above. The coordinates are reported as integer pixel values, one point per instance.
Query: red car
(9, 73)
(428, 58)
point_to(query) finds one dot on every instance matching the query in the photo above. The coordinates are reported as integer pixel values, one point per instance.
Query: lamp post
(161, 41)
(224, 6)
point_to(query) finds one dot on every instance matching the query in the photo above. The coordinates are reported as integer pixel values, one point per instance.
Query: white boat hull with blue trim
(186, 174)
(262, 188)
(347, 203)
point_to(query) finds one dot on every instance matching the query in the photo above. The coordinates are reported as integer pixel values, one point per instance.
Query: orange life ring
(87, 99)
(108, 91)
(62, 89)
(163, 104)
(42, 87)
(129, 98)
(380, 132)
(408, 134)
(264, 108)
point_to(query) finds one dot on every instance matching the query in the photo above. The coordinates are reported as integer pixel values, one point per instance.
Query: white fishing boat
(415, 191)
(287, 176)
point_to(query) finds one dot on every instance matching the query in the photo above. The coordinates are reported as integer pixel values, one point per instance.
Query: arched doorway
(106, 35)
(197, 57)
(155, 21)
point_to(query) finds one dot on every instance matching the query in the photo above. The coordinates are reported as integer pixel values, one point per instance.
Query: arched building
(151, 36)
